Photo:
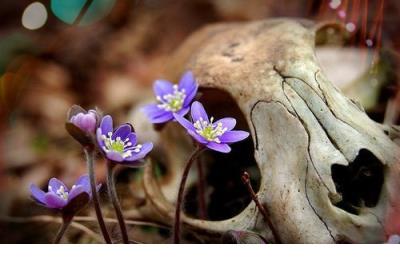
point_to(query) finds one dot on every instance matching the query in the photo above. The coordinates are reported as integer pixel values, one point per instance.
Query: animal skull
(326, 167)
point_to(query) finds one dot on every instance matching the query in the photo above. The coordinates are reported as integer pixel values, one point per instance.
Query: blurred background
(107, 53)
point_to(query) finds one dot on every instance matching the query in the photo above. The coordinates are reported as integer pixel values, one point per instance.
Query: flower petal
(76, 191)
(224, 148)
(83, 181)
(229, 123)
(55, 184)
(152, 111)
(167, 116)
(184, 122)
(183, 111)
(132, 139)
(197, 112)
(233, 136)
(122, 131)
(100, 140)
(53, 201)
(146, 148)
(197, 137)
(37, 193)
(162, 87)
(189, 84)
(114, 156)
(106, 125)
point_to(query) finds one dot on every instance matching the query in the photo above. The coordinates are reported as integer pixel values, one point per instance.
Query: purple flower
(214, 135)
(85, 121)
(120, 145)
(171, 98)
(59, 196)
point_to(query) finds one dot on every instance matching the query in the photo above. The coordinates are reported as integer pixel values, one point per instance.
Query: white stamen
(172, 102)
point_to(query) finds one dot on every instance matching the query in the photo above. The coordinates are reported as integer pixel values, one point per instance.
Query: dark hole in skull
(226, 194)
(360, 182)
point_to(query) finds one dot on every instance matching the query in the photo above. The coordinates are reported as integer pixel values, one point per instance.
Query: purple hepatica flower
(214, 135)
(172, 98)
(120, 145)
(59, 196)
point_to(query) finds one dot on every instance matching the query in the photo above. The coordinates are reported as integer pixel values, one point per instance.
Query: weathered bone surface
(303, 128)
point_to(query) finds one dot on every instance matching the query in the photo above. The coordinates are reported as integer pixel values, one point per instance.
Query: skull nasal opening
(360, 182)
(227, 196)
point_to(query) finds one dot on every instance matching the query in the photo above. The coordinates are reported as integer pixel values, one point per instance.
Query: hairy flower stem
(177, 222)
(63, 228)
(89, 153)
(264, 211)
(114, 199)
(201, 187)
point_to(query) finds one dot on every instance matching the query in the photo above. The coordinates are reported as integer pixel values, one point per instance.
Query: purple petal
(55, 184)
(122, 131)
(188, 82)
(228, 123)
(88, 122)
(184, 122)
(146, 148)
(162, 87)
(53, 201)
(183, 111)
(106, 125)
(198, 112)
(114, 156)
(233, 136)
(132, 139)
(224, 148)
(197, 137)
(167, 116)
(189, 97)
(76, 191)
(152, 111)
(84, 181)
(100, 140)
(37, 193)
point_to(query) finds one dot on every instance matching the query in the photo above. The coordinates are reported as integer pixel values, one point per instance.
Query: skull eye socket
(359, 183)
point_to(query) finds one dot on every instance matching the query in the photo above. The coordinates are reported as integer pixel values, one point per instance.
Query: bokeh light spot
(34, 16)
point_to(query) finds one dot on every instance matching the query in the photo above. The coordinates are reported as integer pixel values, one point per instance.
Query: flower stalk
(201, 187)
(177, 221)
(89, 153)
(67, 219)
(114, 199)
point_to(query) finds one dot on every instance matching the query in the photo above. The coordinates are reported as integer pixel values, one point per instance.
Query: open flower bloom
(120, 145)
(58, 195)
(214, 135)
(171, 98)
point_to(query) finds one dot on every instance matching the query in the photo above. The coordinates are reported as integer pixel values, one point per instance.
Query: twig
(264, 211)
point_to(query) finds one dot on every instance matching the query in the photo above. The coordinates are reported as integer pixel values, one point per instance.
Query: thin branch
(261, 208)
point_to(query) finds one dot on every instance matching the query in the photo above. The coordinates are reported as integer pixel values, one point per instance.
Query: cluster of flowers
(119, 145)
